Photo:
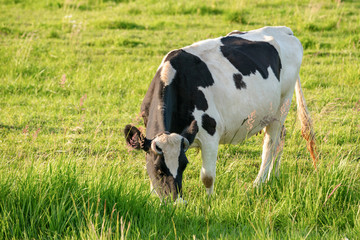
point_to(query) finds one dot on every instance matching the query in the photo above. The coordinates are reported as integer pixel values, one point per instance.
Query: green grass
(73, 74)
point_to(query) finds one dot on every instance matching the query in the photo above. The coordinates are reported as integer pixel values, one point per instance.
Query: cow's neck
(155, 124)
(162, 114)
(164, 109)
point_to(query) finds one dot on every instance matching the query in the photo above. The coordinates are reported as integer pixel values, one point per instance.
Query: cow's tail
(305, 120)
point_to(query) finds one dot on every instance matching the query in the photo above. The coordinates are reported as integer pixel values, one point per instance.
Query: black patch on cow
(191, 73)
(209, 124)
(238, 79)
(200, 101)
(172, 54)
(182, 95)
(251, 56)
(190, 132)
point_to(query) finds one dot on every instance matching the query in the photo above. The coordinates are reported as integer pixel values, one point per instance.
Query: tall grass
(59, 200)
(73, 74)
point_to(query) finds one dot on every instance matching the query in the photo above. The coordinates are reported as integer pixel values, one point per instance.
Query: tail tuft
(306, 123)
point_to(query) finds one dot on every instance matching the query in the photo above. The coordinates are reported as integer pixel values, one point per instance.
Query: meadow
(73, 73)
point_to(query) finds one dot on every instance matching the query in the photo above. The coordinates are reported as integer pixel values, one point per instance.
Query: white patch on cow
(171, 147)
(167, 73)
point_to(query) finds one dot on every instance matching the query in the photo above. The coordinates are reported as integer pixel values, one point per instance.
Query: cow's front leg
(208, 170)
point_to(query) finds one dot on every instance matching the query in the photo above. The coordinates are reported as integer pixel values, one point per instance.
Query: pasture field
(73, 73)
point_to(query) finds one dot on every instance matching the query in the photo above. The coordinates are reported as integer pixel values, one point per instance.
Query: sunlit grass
(73, 74)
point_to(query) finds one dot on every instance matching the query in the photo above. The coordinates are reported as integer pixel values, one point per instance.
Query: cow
(220, 91)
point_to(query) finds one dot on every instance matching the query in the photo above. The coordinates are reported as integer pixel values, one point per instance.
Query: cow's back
(289, 48)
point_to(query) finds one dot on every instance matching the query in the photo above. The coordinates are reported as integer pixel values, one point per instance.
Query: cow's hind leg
(273, 144)
(279, 150)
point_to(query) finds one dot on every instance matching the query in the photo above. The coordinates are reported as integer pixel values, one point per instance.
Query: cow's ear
(135, 139)
(190, 132)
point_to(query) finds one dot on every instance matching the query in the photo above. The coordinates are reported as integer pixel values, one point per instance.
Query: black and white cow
(220, 91)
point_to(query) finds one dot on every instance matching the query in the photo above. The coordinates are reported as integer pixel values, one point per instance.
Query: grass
(73, 74)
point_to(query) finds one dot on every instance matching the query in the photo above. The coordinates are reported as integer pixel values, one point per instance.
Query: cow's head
(165, 157)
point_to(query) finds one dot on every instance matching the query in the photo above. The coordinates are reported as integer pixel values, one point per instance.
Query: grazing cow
(220, 91)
